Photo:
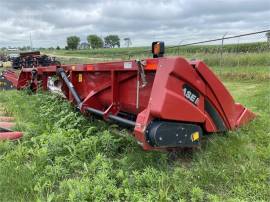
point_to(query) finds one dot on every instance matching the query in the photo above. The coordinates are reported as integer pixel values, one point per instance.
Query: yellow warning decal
(195, 136)
(80, 78)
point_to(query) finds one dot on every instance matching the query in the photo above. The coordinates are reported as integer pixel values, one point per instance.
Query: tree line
(94, 41)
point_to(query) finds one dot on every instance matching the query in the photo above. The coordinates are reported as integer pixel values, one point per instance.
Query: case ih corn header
(169, 102)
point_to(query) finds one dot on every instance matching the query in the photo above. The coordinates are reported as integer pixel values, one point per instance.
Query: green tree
(73, 42)
(112, 41)
(95, 41)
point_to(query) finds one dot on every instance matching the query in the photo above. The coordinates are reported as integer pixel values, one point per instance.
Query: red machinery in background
(32, 59)
(168, 101)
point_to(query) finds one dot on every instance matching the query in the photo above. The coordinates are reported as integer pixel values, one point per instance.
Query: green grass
(192, 49)
(247, 66)
(258, 73)
(234, 59)
(67, 157)
(229, 59)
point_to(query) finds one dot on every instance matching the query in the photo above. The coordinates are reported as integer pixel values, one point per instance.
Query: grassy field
(243, 61)
(234, 55)
(243, 66)
(65, 156)
(193, 49)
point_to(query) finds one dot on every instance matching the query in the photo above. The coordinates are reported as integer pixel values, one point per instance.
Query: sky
(50, 22)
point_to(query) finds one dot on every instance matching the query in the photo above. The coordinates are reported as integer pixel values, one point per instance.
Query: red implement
(169, 102)
(6, 119)
(6, 133)
(7, 125)
(10, 135)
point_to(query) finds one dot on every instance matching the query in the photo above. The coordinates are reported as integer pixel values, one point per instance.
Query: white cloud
(50, 22)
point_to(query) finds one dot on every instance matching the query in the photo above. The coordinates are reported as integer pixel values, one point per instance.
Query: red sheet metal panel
(10, 135)
(6, 119)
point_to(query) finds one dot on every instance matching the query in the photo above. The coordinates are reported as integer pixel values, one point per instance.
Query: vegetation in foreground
(65, 156)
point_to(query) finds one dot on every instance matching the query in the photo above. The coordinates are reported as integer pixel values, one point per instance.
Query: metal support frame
(112, 117)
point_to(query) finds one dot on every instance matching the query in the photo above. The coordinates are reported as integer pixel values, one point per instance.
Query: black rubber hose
(60, 71)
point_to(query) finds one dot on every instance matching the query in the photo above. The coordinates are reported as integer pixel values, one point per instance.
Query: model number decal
(191, 94)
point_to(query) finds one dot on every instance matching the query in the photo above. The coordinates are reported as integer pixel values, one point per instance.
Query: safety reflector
(195, 136)
(79, 78)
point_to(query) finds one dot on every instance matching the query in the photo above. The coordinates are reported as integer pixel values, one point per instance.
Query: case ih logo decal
(190, 94)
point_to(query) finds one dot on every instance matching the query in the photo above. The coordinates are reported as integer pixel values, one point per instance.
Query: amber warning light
(158, 49)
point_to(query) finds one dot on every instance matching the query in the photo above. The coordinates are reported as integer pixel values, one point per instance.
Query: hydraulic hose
(60, 71)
